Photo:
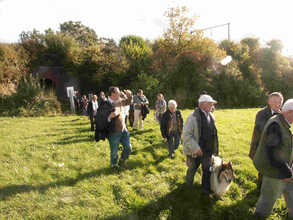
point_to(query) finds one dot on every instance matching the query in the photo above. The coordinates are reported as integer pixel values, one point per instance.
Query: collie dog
(222, 175)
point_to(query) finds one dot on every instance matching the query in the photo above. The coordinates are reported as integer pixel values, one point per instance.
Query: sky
(263, 19)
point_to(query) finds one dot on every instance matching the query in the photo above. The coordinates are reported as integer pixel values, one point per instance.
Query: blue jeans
(114, 140)
(173, 141)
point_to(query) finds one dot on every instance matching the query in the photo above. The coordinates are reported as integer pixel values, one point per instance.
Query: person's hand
(127, 92)
(113, 115)
(122, 95)
(288, 179)
(188, 162)
(250, 156)
(198, 153)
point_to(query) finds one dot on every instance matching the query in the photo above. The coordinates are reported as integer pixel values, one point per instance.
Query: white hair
(172, 102)
(288, 105)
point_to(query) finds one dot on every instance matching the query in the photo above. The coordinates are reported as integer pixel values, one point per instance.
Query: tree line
(180, 63)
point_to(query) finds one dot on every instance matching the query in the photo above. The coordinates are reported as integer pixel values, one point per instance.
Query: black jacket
(166, 122)
(103, 126)
(100, 101)
(144, 111)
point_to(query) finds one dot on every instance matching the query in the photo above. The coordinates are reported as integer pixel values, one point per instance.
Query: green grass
(51, 168)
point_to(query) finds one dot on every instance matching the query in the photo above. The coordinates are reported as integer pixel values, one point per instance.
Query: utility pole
(216, 26)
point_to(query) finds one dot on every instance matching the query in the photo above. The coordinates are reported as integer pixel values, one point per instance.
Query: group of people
(199, 133)
(109, 118)
(271, 144)
(272, 155)
(271, 148)
(135, 112)
(89, 106)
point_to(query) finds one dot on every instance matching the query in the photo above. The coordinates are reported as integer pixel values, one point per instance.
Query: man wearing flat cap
(200, 141)
(273, 159)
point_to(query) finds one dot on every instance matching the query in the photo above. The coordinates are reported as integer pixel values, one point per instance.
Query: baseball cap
(288, 105)
(206, 98)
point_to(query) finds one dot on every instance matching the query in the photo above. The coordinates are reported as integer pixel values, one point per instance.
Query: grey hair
(288, 105)
(172, 102)
(276, 94)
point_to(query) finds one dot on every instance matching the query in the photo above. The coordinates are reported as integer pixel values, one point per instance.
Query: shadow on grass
(76, 124)
(242, 208)
(190, 203)
(74, 140)
(81, 130)
(177, 204)
(8, 191)
(11, 190)
(151, 149)
(139, 132)
(41, 136)
(80, 120)
(74, 129)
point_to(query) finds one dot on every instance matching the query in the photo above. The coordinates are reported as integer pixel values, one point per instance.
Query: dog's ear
(230, 165)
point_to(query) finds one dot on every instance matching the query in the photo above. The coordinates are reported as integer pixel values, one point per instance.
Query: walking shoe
(209, 194)
(172, 156)
(114, 167)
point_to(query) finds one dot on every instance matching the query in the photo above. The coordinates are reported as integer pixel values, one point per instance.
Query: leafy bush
(7, 88)
(29, 100)
(13, 63)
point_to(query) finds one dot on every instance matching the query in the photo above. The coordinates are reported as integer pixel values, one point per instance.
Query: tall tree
(138, 55)
(13, 63)
(183, 58)
(81, 33)
(273, 65)
(180, 30)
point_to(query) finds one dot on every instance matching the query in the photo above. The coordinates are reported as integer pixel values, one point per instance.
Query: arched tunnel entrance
(47, 83)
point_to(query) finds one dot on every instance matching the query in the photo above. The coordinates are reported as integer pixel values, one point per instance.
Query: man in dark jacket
(200, 141)
(273, 159)
(275, 101)
(118, 132)
(171, 127)
(102, 98)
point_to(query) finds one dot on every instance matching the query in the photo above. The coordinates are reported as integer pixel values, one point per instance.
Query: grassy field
(51, 168)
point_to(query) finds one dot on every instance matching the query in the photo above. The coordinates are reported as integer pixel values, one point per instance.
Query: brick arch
(47, 83)
(51, 77)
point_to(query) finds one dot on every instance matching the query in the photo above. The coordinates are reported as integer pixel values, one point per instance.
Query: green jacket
(275, 161)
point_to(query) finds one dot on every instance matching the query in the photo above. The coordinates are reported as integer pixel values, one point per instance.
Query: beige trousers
(137, 119)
